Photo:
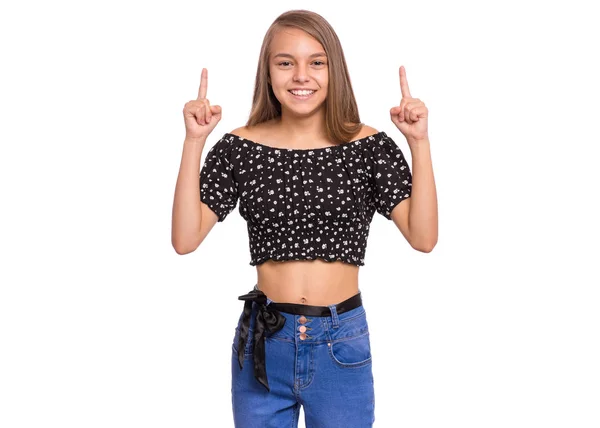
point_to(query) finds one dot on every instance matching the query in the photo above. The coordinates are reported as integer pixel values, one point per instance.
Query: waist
(316, 319)
(314, 282)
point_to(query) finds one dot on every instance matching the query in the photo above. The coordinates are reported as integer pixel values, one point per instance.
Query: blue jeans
(329, 373)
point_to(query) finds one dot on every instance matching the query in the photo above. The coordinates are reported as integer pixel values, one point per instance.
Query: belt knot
(267, 319)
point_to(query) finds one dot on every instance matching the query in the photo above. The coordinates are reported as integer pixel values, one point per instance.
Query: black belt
(269, 318)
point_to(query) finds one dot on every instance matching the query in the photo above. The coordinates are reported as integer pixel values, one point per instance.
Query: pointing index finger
(203, 84)
(404, 83)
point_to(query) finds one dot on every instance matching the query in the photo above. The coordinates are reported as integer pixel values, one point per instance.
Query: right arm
(192, 219)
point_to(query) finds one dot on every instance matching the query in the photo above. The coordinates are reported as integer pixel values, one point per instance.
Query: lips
(302, 97)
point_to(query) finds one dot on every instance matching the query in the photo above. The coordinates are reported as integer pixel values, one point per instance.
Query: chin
(304, 108)
(303, 111)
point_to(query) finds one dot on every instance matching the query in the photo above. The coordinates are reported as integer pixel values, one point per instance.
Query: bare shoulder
(368, 130)
(365, 131)
(242, 131)
(256, 132)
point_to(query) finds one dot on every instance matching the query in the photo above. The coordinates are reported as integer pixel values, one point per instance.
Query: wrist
(415, 143)
(419, 140)
(194, 140)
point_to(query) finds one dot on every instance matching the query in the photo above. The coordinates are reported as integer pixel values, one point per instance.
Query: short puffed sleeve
(218, 187)
(391, 174)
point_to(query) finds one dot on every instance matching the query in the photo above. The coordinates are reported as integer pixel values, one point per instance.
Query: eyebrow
(287, 55)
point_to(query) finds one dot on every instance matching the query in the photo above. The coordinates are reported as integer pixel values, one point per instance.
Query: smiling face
(299, 73)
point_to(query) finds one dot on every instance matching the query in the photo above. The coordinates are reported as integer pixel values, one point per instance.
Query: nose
(301, 73)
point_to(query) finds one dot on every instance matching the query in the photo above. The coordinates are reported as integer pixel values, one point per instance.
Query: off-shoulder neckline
(318, 149)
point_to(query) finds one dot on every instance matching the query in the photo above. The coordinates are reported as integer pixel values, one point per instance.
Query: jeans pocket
(351, 352)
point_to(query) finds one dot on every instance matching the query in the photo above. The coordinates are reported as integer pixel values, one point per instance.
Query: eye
(285, 63)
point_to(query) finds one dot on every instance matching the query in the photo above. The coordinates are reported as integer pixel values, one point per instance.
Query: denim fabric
(329, 373)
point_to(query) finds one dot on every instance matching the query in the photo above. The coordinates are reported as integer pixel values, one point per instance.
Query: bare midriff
(307, 282)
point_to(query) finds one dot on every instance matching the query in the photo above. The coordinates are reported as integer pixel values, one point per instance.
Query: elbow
(425, 249)
(181, 251)
(425, 246)
(183, 248)
(423, 239)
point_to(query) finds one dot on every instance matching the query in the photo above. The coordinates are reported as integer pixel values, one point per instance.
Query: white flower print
(326, 196)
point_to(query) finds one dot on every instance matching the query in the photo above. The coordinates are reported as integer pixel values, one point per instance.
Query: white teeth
(302, 93)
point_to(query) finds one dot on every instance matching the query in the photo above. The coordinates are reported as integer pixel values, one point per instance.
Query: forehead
(294, 41)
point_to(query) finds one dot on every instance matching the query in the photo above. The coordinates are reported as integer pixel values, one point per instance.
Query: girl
(309, 177)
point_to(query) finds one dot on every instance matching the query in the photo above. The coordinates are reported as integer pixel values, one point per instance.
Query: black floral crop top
(303, 204)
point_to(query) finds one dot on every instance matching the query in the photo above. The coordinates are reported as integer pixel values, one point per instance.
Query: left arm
(417, 216)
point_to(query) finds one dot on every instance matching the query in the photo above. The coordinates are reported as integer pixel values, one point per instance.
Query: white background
(103, 324)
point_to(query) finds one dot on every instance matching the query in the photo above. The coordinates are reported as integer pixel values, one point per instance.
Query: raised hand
(199, 116)
(410, 117)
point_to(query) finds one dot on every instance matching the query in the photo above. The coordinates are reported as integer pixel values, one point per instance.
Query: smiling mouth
(303, 95)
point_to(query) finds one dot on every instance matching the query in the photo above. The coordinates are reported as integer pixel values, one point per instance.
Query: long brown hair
(341, 113)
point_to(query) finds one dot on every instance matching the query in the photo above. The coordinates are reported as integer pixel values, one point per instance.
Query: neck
(300, 128)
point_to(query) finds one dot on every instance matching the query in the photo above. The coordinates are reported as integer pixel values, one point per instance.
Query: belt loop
(334, 316)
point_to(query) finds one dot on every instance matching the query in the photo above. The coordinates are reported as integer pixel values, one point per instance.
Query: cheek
(279, 89)
(323, 84)
(277, 81)
(324, 90)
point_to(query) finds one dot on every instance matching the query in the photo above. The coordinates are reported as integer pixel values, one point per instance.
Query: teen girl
(309, 177)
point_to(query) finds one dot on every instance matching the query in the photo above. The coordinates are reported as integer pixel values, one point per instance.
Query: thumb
(215, 109)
